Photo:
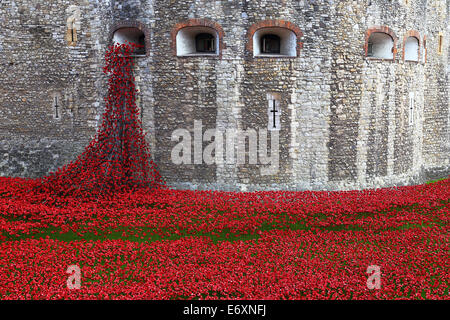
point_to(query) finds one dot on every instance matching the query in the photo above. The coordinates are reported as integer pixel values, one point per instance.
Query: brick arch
(197, 23)
(274, 24)
(382, 29)
(131, 24)
(415, 34)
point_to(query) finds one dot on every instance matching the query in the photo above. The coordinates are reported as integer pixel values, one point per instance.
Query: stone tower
(357, 92)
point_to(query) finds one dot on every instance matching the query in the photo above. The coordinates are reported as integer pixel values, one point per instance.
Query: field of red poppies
(167, 244)
(109, 220)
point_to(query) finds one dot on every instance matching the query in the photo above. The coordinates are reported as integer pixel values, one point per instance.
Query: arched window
(73, 24)
(380, 45)
(412, 49)
(275, 42)
(270, 44)
(205, 42)
(197, 37)
(133, 35)
(193, 41)
(274, 38)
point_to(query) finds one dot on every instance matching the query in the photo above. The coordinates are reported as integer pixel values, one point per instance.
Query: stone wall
(36, 65)
(344, 117)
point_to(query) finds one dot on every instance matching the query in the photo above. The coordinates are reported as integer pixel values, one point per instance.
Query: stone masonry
(345, 117)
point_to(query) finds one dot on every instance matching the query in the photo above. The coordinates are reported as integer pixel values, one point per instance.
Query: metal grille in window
(270, 43)
(205, 42)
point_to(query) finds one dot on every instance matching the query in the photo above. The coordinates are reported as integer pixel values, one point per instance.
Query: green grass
(434, 181)
(137, 234)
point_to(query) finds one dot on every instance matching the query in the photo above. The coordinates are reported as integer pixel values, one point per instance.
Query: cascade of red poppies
(118, 158)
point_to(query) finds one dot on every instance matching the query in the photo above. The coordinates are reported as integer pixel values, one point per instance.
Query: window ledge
(134, 55)
(207, 55)
(380, 59)
(274, 56)
(412, 61)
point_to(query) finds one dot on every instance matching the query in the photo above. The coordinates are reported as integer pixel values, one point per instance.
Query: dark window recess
(132, 35)
(370, 49)
(271, 43)
(205, 42)
(141, 43)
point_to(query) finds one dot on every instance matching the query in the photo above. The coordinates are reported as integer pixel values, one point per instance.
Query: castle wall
(436, 145)
(37, 65)
(344, 117)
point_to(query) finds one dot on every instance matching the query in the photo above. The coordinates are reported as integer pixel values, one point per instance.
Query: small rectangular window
(441, 43)
(56, 106)
(274, 112)
(271, 44)
(411, 108)
(205, 42)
